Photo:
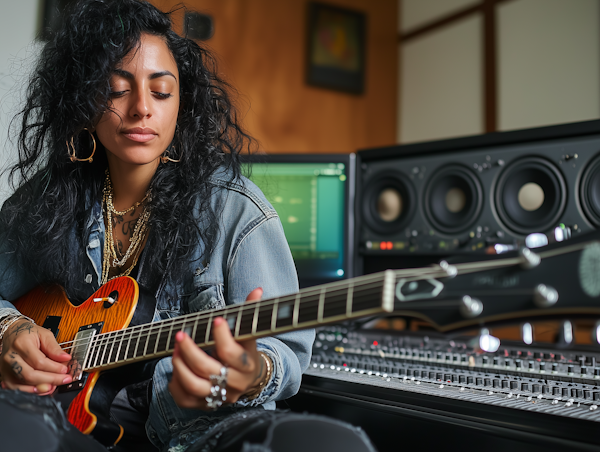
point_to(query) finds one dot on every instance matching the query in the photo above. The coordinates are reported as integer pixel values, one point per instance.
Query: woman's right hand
(31, 359)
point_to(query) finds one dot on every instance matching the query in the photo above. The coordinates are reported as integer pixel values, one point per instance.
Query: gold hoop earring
(72, 153)
(165, 157)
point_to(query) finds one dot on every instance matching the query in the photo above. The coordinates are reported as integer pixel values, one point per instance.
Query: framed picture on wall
(336, 48)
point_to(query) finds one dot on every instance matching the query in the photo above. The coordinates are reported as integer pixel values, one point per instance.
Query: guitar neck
(329, 303)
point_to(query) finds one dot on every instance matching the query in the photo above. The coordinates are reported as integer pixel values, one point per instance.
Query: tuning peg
(544, 296)
(529, 259)
(450, 270)
(470, 307)
(527, 333)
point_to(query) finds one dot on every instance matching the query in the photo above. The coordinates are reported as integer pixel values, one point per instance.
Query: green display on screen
(309, 198)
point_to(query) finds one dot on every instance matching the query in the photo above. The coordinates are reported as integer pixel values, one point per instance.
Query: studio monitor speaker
(419, 202)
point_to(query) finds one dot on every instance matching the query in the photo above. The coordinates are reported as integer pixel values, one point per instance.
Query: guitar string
(129, 336)
(103, 338)
(236, 309)
(282, 299)
(316, 291)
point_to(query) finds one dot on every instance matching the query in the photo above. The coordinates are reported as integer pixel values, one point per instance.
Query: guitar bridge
(79, 353)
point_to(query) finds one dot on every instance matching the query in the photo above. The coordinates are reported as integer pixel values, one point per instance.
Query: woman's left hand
(192, 367)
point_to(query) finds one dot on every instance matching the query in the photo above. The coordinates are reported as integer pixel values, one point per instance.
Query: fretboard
(320, 305)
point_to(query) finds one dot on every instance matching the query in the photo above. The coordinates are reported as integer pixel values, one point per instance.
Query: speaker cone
(589, 191)
(530, 195)
(453, 199)
(388, 202)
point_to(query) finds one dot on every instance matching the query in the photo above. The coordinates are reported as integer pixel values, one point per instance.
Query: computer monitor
(314, 197)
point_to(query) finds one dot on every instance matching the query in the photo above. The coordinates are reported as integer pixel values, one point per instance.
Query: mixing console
(554, 383)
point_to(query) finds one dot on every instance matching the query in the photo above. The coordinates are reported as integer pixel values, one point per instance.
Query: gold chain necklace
(110, 258)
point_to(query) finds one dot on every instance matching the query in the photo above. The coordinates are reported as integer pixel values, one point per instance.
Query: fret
(321, 305)
(284, 316)
(296, 309)
(230, 320)
(136, 346)
(199, 335)
(265, 313)
(156, 337)
(335, 304)
(207, 336)
(143, 334)
(147, 341)
(349, 300)
(193, 335)
(309, 309)
(273, 317)
(255, 316)
(118, 350)
(107, 342)
(246, 320)
(169, 337)
(125, 355)
(238, 322)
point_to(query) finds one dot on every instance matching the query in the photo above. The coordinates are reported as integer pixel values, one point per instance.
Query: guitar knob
(544, 296)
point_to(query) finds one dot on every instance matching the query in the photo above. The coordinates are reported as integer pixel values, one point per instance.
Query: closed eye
(117, 93)
(162, 95)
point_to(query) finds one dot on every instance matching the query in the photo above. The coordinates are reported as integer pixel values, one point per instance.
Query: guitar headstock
(557, 282)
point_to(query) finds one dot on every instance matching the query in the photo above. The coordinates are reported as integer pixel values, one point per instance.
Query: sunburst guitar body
(49, 306)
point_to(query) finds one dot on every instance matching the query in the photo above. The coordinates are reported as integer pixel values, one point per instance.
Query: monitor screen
(312, 195)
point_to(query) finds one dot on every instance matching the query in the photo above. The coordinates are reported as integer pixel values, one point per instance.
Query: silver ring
(218, 391)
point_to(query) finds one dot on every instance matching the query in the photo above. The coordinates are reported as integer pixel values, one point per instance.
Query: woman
(129, 166)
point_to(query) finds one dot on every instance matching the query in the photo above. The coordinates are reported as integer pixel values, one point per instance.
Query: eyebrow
(129, 75)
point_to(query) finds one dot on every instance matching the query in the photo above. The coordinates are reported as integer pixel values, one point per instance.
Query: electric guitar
(558, 281)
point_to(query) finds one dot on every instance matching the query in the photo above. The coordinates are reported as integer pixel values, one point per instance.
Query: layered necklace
(113, 258)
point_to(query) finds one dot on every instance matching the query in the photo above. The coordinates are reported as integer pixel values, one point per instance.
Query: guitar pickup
(79, 353)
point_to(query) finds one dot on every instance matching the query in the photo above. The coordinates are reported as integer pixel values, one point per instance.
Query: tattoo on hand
(22, 327)
(17, 369)
(13, 355)
(244, 359)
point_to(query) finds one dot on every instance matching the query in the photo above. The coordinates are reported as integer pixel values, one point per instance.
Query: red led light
(375, 343)
(345, 365)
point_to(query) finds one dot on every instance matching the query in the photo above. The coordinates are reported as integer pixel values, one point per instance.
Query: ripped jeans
(30, 423)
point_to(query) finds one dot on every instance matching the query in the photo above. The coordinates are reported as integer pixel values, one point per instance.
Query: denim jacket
(251, 251)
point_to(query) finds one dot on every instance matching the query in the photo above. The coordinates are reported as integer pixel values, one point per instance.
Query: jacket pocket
(208, 296)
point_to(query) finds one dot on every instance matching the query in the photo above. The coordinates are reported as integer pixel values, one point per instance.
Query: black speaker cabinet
(420, 202)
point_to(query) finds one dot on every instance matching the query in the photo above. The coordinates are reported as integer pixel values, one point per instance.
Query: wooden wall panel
(261, 45)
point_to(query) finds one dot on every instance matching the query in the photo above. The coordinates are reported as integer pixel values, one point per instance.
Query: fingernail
(67, 380)
(35, 389)
(180, 336)
(64, 370)
(219, 321)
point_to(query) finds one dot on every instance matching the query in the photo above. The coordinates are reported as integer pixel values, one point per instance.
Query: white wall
(415, 13)
(18, 26)
(548, 67)
(441, 84)
(549, 62)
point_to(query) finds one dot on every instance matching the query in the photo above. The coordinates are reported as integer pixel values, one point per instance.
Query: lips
(140, 134)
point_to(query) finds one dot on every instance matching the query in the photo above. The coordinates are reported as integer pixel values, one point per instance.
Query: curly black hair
(68, 92)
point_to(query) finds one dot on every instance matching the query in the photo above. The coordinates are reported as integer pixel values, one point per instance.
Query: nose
(140, 107)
